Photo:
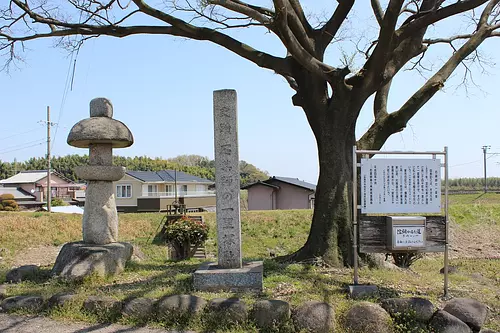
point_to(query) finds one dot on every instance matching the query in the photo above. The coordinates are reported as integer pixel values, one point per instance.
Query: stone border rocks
(459, 315)
(368, 317)
(22, 273)
(30, 303)
(470, 311)
(420, 308)
(314, 316)
(141, 309)
(59, 300)
(269, 314)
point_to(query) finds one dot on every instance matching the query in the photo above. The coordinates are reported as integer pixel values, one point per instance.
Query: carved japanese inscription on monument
(227, 179)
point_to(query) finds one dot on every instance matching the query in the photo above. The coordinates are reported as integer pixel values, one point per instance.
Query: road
(22, 324)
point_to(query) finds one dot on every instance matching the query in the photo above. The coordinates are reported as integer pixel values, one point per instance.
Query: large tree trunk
(330, 237)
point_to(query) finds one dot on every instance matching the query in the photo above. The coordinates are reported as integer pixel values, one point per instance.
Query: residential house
(25, 200)
(153, 191)
(280, 193)
(35, 183)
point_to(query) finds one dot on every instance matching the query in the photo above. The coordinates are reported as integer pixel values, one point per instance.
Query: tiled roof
(288, 180)
(259, 182)
(17, 193)
(295, 181)
(31, 176)
(25, 177)
(167, 176)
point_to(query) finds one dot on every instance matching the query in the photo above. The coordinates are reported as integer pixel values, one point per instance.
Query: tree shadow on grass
(329, 283)
(164, 273)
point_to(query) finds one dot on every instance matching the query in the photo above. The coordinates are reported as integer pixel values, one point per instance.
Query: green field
(266, 234)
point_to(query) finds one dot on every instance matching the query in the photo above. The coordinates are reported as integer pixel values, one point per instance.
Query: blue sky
(161, 87)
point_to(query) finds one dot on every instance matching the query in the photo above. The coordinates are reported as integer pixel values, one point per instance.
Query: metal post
(446, 245)
(49, 193)
(355, 212)
(175, 191)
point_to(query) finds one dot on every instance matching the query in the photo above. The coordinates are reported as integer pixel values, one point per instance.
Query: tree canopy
(193, 164)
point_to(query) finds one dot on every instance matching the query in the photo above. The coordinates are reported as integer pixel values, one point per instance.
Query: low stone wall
(459, 315)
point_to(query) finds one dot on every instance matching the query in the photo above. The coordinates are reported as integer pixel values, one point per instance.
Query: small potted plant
(185, 235)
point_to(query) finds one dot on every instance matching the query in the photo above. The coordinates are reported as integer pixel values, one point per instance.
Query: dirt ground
(475, 242)
(40, 256)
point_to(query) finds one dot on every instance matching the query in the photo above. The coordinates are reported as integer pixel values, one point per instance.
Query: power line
(64, 96)
(20, 145)
(10, 151)
(13, 135)
(451, 166)
(491, 155)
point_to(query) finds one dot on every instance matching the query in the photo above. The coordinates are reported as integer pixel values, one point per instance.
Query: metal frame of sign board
(356, 165)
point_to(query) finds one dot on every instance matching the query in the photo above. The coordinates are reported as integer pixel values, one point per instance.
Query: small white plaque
(408, 236)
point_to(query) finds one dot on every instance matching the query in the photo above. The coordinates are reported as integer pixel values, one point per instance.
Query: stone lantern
(100, 134)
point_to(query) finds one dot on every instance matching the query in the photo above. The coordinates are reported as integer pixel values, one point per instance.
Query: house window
(201, 188)
(182, 189)
(152, 190)
(169, 189)
(124, 191)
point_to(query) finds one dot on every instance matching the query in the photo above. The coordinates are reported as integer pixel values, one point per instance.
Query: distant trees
(474, 183)
(193, 164)
(249, 173)
(6, 169)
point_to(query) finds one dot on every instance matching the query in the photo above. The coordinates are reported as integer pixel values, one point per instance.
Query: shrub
(185, 235)
(58, 202)
(405, 260)
(8, 204)
(6, 196)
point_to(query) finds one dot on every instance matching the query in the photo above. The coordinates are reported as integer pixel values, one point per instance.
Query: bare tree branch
(295, 48)
(299, 11)
(329, 30)
(432, 17)
(385, 126)
(242, 8)
(377, 10)
(380, 101)
(177, 28)
(294, 24)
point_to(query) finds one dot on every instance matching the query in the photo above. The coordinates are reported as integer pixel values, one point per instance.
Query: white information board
(409, 236)
(400, 185)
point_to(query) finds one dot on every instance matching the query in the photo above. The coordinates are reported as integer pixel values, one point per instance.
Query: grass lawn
(264, 233)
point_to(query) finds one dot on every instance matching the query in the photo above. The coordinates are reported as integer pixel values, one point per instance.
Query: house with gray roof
(280, 193)
(34, 182)
(154, 191)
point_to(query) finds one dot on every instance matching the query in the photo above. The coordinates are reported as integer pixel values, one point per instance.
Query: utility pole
(49, 125)
(485, 149)
(49, 193)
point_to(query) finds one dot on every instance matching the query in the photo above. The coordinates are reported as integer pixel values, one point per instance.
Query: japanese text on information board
(400, 186)
(409, 236)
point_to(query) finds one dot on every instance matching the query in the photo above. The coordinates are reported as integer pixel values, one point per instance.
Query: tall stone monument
(227, 179)
(99, 252)
(229, 273)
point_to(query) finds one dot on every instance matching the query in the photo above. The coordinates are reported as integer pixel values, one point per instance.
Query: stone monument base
(211, 278)
(77, 260)
(363, 291)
